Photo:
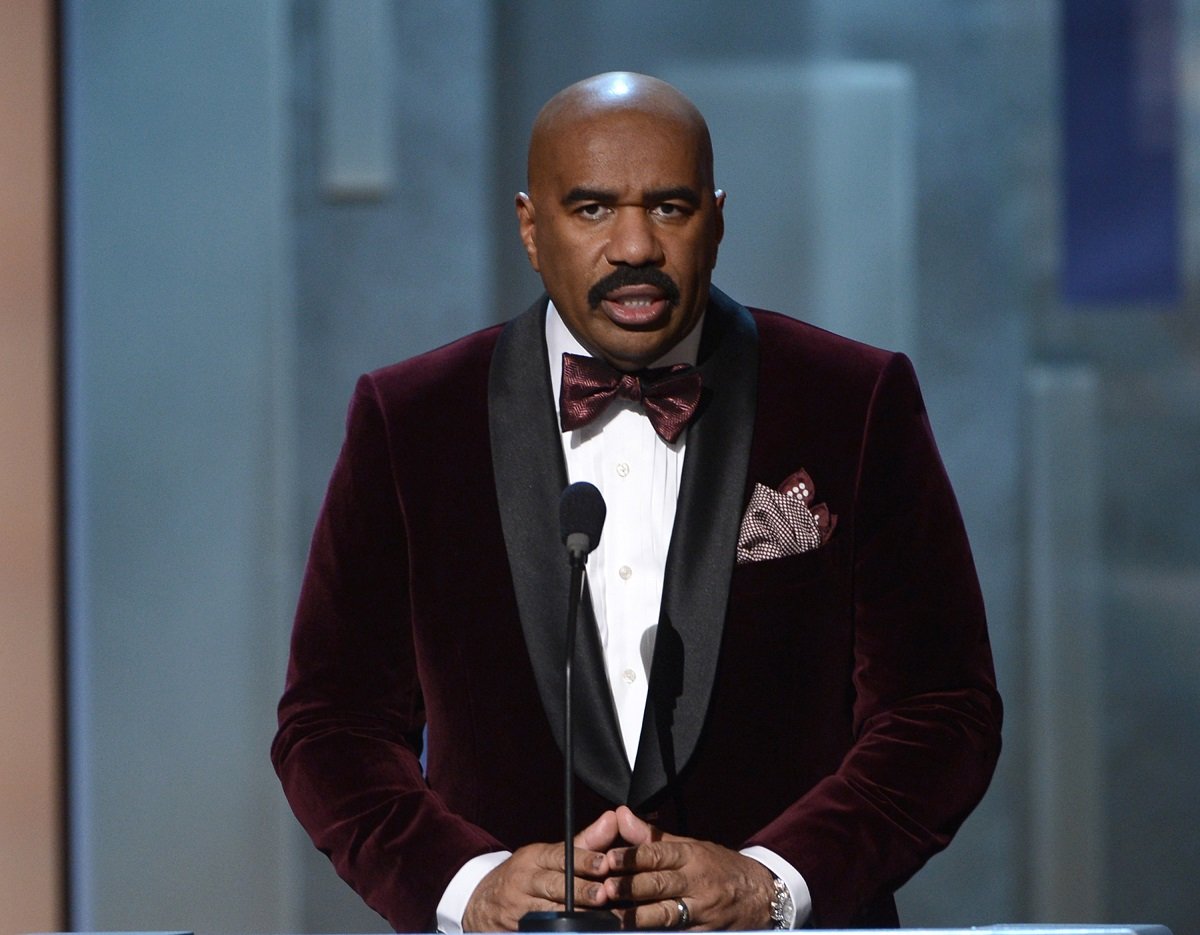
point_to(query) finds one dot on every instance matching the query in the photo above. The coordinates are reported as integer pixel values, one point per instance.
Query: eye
(671, 210)
(592, 211)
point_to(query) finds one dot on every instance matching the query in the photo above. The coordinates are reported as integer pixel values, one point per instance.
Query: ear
(528, 228)
(718, 224)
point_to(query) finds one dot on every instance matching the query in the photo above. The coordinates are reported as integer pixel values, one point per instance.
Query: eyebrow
(654, 196)
(589, 194)
(681, 193)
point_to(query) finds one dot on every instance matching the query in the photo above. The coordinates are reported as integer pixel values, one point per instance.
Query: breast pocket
(793, 572)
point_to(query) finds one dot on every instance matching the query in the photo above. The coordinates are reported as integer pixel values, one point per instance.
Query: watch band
(782, 911)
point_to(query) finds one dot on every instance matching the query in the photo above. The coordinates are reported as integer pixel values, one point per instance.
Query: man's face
(623, 225)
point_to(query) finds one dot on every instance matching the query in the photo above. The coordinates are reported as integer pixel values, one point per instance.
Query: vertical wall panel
(821, 220)
(1066, 833)
(180, 398)
(30, 780)
(384, 277)
(357, 144)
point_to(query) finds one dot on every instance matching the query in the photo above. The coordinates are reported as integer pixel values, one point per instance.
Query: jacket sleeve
(927, 715)
(352, 715)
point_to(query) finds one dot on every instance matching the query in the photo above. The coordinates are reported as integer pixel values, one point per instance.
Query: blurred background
(217, 214)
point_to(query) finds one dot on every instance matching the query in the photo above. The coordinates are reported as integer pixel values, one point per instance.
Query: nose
(634, 240)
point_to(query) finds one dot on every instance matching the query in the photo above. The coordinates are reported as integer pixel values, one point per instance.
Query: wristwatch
(782, 911)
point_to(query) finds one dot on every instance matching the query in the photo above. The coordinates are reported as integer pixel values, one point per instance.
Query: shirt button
(622, 469)
(629, 676)
(625, 572)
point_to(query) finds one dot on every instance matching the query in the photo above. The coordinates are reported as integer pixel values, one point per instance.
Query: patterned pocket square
(784, 521)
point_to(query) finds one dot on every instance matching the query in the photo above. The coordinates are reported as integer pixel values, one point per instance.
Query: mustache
(633, 276)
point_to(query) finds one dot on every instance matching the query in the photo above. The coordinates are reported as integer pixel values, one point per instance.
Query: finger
(547, 868)
(683, 918)
(591, 893)
(646, 887)
(633, 829)
(601, 834)
(547, 856)
(588, 863)
(591, 865)
(553, 857)
(658, 855)
(548, 862)
(661, 916)
(550, 886)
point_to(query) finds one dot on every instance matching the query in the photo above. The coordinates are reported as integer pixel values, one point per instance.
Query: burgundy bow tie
(668, 394)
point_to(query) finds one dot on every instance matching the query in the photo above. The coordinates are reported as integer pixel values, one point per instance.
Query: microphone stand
(570, 920)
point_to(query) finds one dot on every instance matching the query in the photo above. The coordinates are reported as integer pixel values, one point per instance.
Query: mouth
(635, 298)
(639, 306)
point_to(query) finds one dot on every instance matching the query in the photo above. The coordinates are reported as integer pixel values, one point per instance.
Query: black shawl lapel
(530, 476)
(703, 549)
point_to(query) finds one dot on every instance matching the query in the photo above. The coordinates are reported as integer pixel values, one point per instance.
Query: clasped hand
(632, 869)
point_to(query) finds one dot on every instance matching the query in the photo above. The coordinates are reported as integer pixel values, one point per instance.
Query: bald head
(621, 219)
(617, 93)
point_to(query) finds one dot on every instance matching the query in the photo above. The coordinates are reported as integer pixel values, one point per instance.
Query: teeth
(637, 303)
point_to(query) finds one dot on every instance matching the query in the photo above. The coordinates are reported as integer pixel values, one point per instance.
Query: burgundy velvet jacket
(838, 707)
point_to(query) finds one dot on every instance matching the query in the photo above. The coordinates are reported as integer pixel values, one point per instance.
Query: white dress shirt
(639, 475)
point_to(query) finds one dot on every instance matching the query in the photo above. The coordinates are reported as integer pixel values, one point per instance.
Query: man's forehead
(618, 153)
(627, 126)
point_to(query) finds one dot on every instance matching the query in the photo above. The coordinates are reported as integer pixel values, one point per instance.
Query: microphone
(581, 513)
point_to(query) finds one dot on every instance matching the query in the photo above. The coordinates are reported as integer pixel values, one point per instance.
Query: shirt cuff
(454, 900)
(801, 898)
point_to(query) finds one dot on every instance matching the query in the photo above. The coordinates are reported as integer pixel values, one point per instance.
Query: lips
(634, 296)
(635, 306)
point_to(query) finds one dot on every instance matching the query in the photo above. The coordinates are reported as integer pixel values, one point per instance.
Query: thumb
(633, 830)
(600, 835)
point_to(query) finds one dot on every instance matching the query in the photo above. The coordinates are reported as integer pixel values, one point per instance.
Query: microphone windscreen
(581, 510)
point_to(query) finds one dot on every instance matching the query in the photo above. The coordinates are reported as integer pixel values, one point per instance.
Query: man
(786, 697)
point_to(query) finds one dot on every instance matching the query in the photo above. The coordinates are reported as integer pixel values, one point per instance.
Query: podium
(1013, 929)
